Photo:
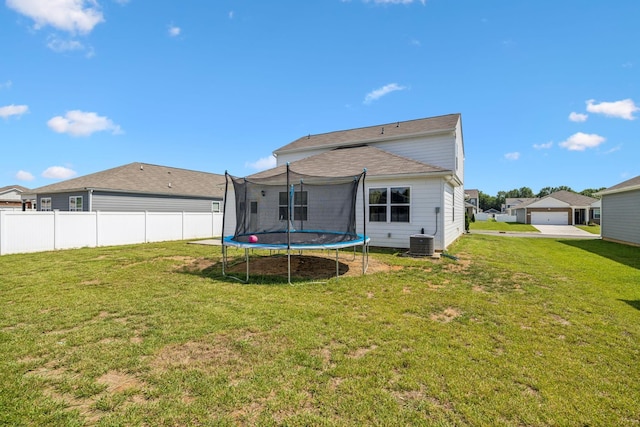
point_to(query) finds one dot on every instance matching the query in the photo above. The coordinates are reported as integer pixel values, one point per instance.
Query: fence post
(56, 228)
(97, 222)
(183, 225)
(2, 233)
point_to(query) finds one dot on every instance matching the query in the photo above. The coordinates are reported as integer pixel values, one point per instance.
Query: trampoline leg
(224, 259)
(246, 257)
(289, 265)
(337, 266)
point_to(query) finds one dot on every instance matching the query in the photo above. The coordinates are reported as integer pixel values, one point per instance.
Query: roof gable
(12, 188)
(389, 131)
(144, 178)
(352, 160)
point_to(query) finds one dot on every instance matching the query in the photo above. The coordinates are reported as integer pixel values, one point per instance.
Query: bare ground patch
(114, 382)
(311, 266)
(446, 316)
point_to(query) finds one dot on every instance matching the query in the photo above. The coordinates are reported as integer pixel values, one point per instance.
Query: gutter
(111, 190)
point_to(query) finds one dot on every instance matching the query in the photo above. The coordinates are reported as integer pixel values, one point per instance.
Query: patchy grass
(494, 225)
(517, 332)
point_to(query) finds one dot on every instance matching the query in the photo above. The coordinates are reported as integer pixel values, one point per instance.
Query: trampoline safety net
(294, 207)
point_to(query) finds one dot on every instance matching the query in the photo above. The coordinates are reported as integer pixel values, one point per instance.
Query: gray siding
(60, 201)
(620, 217)
(122, 202)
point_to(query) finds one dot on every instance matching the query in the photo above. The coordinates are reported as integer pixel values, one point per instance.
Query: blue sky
(549, 91)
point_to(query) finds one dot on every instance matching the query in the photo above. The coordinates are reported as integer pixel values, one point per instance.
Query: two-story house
(414, 175)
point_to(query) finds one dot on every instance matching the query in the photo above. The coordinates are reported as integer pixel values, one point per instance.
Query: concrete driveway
(546, 231)
(564, 230)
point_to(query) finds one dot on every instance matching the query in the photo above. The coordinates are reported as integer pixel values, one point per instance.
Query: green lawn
(518, 331)
(593, 229)
(502, 226)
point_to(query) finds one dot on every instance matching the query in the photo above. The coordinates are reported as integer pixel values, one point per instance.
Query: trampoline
(292, 212)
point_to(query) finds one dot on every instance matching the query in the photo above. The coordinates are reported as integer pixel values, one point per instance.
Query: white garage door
(549, 218)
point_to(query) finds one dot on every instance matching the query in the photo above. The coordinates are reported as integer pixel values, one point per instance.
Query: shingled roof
(145, 178)
(628, 185)
(369, 134)
(571, 198)
(351, 161)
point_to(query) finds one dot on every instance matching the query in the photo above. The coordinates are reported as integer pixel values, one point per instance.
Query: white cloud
(13, 110)
(231, 14)
(57, 44)
(614, 149)
(623, 109)
(58, 172)
(578, 117)
(544, 146)
(581, 141)
(74, 16)
(174, 31)
(512, 156)
(262, 164)
(384, 90)
(24, 176)
(6, 85)
(80, 123)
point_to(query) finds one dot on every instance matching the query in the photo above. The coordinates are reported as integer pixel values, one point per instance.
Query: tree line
(487, 202)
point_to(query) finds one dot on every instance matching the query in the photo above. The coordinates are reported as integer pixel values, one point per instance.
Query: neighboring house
(471, 202)
(621, 212)
(135, 187)
(559, 208)
(11, 198)
(491, 212)
(414, 180)
(594, 215)
(510, 203)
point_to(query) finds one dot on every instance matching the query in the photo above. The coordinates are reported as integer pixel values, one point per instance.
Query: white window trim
(389, 204)
(75, 208)
(42, 200)
(304, 206)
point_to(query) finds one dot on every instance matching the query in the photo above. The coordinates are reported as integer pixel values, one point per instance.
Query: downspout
(90, 199)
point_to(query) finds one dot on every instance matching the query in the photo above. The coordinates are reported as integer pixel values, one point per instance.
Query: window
(45, 204)
(391, 204)
(596, 213)
(300, 205)
(75, 203)
(453, 209)
(215, 206)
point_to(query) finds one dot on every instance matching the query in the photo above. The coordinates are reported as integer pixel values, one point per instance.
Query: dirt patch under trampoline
(315, 266)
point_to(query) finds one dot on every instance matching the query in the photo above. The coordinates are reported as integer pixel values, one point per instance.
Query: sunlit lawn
(516, 332)
(494, 225)
(593, 229)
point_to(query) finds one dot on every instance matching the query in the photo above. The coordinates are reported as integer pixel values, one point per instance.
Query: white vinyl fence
(481, 216)
(22, 232)
(506, 218)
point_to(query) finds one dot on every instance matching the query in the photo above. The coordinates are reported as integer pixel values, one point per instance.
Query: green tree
(485, 201)
(549, 190)
(591, 192)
